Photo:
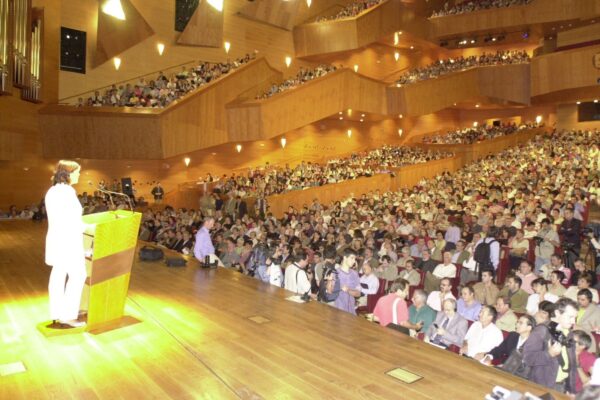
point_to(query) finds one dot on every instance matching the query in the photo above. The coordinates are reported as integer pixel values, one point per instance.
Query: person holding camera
(545, 242)
(571, 230)
(550, 349)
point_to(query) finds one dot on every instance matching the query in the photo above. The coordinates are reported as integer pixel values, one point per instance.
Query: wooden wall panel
(472, 85)
(537, 12)
(194, 122)
(352, 33)
(205, 28)
(567, 118)
(578, 36)
(572, 69)
(116, 36)
(11, 145)
(287, 14)
(313, 101)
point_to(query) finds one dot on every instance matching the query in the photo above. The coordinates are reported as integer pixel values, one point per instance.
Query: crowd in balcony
(351, 10)
(163, 90)
(466, 6)
(447, 66)
(421, 247)
(477, 133)
(303, 76)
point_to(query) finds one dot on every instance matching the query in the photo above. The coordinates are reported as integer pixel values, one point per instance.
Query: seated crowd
(269, 179)
(443, 67)
(163, 90)
(351, 10)
(476, 134)
(435, 250)
(303, 76)
(467, 6)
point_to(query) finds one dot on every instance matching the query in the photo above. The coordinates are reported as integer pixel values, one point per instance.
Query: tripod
(568, 257)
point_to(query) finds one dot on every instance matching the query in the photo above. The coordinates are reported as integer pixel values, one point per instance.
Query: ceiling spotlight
(476, 105)
(161, 48)
(216, 4)
(308, 3)
(578, 103)
(396, 56)
(362, 120)
(114, 9)
(186, 161)
(355, 67)
(400, 132)
(117, 62)
(283, 140)
(238, 148)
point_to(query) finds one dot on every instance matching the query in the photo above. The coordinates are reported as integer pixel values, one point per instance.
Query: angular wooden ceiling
(205, 27)
(116, 35)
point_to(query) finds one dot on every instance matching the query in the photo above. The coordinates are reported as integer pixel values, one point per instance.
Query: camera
(559, 336)
(538, 240)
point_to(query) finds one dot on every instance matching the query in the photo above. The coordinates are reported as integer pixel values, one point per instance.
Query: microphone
(110, 193)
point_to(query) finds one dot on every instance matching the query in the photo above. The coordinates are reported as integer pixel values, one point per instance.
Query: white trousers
(65, 299)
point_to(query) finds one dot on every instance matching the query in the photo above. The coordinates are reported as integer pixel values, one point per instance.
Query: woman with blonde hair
(64, 245)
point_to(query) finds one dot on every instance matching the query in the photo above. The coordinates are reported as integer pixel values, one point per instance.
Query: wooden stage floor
(196, 341)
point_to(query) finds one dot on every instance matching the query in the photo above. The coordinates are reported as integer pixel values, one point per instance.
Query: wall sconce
(186, 161)
(400, 116)
(538, 119)
(283, 142)
(117, 62)
(227, 46)
(308, 3)
(475, 124)
(288, 61)
(396, 38)
(355, 67)
(349, 133)
(400, 132)
(238, 148)
(396, 56)
(161, 48)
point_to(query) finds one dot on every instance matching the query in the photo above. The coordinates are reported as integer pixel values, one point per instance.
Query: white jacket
(64, 241)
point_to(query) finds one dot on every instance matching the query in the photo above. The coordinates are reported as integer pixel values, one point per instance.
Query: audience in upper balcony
(163, 90)
(444, 67)
(467, 6)
(351, 10)
(477, 133)
(303, 76)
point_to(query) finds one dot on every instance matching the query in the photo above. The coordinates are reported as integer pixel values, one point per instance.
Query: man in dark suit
(553, 362)
(514, 341)
(449, 327)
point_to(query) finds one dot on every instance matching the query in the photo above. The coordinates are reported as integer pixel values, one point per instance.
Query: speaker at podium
(110, 243)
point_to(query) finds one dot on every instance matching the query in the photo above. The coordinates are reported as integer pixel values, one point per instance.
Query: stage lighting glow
(114, 9)
(216, 4)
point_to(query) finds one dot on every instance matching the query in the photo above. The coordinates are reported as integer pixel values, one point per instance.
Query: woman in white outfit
(64, 245)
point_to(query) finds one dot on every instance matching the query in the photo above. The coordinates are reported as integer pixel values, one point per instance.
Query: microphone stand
(110, 193)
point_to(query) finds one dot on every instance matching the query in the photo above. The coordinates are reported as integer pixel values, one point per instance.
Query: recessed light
(578, 102)
(341, 118)
(595, 100)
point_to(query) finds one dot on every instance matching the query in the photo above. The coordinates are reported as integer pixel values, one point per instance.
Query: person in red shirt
(585, 359)
(392, 308)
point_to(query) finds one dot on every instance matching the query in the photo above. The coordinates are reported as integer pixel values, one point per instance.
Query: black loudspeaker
(72, 50)
(126, 186)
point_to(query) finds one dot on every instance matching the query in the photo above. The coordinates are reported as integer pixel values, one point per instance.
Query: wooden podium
(110, 243)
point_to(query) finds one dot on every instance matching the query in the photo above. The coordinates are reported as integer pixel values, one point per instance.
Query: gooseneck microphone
(110, 193)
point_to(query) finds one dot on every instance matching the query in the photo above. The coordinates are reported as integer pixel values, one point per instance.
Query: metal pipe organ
(5, 45)
(21, 48)
(32, 92)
